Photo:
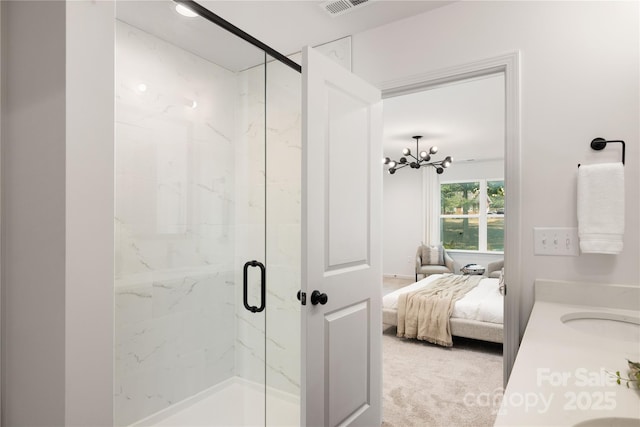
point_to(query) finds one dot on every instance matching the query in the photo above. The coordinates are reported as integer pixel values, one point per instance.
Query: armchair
(494, 268)
(426, 268)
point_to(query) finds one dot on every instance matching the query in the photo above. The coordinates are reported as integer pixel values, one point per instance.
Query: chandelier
(423, 159)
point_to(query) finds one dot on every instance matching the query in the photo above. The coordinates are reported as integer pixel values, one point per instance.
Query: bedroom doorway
(411, 217)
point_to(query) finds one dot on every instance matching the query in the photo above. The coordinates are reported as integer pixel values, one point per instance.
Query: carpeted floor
(428, 385)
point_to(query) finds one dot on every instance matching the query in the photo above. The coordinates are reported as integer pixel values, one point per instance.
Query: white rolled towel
(601, 208)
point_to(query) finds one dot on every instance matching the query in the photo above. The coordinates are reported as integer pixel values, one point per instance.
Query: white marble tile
(133, 304)
(138, 395)
(174, 163)
(250, 341)
(284, 244)
(174, 296)
(140, 346)
(188, 375)
(283, 337)
(174, 224)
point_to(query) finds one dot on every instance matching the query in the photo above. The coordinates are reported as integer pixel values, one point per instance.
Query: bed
(478, 315)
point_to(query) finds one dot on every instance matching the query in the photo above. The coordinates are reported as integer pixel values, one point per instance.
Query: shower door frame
(212, 17)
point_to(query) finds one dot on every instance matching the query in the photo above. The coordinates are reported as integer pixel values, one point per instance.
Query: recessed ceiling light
(185, 11)
(142, 87)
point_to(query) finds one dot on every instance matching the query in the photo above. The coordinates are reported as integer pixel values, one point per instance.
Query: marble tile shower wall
(175, 225)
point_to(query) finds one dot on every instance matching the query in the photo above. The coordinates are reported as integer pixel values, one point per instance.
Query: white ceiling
(289, 25)
(286, 26)
(465, 120)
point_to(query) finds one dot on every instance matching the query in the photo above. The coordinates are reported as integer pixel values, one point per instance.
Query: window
(472, 215)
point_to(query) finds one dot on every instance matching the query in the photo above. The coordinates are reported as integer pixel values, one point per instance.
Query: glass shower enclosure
(207, 225)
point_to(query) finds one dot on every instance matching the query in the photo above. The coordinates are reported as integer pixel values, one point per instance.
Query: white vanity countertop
(561, 375)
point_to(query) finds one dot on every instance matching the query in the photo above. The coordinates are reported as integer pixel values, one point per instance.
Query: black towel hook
(600, 143)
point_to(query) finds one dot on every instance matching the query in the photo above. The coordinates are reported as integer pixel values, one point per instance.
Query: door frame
(509, 64)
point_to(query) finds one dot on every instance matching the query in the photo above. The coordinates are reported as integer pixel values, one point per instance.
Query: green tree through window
(460, 200)
(472, 215)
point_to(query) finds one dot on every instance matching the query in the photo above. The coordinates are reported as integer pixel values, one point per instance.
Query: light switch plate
(559, 241)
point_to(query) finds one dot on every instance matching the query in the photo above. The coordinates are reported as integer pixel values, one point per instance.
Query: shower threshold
(233, 402)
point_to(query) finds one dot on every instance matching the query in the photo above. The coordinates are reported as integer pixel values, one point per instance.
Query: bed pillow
(433, 255)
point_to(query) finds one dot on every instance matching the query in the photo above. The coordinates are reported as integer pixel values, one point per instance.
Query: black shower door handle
(263, 289)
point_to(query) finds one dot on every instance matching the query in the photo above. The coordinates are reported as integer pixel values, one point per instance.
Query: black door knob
(317, 297)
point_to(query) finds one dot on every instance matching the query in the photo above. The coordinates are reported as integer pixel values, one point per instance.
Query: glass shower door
(283, 155)
(251, 265)
(191, 197)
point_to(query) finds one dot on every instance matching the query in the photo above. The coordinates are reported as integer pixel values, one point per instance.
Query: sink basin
(606, 325)
(610, 422)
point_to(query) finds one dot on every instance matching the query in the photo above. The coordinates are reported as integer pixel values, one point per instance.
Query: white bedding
(482, 303)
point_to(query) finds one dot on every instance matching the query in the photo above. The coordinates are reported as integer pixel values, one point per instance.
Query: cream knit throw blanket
(424, 314)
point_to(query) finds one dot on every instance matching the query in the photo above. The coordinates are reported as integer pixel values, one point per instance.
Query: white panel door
(341, 244)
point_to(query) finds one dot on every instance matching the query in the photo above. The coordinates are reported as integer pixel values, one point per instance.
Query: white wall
(57, 199)
(89, 213)
(403, 229)
(33, 216)
(480, 169)
(576, 84)
(1, 313)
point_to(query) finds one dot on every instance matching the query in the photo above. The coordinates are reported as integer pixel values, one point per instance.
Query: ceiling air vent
(339, 7)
